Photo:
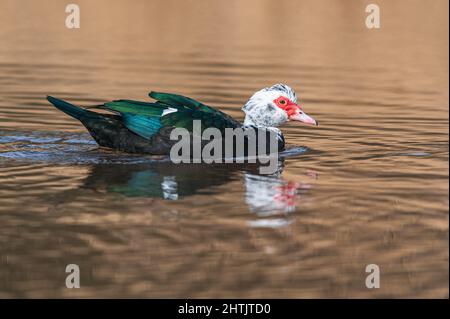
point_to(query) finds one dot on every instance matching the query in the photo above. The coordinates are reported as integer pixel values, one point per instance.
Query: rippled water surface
(368, 186)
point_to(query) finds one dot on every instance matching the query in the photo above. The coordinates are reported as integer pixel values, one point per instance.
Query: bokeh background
(372, 186)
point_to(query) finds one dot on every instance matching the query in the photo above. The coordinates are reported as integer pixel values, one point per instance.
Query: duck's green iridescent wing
(139, 117)
(190, 109)
(179, 101)
(170, 110)
(182, 102)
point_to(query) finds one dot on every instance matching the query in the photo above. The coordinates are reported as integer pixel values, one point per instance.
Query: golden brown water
(370, 185)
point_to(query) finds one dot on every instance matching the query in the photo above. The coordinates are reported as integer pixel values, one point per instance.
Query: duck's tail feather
(72, 110)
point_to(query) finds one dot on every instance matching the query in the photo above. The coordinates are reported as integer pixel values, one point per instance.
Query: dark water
(370, 185)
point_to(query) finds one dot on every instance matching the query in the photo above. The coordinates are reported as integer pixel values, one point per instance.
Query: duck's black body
(140, 127)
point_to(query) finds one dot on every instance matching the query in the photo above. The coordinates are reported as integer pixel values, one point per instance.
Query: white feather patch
(168, 111)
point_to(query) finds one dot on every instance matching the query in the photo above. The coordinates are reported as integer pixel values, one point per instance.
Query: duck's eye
(283, 102)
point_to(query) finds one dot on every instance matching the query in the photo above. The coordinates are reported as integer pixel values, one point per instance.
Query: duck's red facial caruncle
(294, 111)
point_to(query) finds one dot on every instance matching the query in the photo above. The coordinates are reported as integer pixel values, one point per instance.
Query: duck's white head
(274, 106)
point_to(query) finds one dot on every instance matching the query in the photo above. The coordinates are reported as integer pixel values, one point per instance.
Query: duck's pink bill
(304, 118)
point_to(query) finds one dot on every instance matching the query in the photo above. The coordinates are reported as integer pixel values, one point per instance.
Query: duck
(145, 127)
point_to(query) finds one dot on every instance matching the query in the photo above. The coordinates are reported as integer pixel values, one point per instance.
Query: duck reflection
(264, 194)
(161, 180)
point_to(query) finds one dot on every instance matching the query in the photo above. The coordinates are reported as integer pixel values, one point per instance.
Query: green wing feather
(191, 109)
(135, 107)
(182, 102)
(175, 100)
(147, 118)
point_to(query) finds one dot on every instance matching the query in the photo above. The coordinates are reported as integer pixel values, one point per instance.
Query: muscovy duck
(144, 127)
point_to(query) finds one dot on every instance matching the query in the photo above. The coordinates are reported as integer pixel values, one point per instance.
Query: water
(369, 185)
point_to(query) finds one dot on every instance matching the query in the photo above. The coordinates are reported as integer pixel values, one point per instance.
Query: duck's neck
(249, 121)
